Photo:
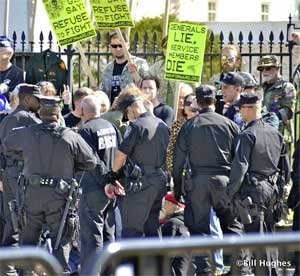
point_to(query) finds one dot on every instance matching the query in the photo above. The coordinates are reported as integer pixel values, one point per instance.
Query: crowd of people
(135, 159)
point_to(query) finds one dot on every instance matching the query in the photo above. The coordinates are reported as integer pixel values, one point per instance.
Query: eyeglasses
(228, 58)
(115, 46)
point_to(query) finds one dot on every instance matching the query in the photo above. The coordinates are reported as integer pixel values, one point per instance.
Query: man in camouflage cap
(279, 95)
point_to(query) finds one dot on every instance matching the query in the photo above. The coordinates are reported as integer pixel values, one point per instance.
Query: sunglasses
(266, 68)
(115, 46)
(228, 58)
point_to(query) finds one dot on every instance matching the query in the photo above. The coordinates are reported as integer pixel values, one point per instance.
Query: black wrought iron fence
(147, 46)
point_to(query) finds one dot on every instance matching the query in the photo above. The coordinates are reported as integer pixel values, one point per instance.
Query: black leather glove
(111, 177)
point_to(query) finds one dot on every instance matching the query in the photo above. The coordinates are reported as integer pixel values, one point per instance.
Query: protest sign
(185, 52)
(69, 20)
(111, 13)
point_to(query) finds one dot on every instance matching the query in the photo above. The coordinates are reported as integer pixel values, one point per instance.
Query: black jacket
(47, 66)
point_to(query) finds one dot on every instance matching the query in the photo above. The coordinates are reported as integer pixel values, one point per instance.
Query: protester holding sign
(167, 87)
(119, 73)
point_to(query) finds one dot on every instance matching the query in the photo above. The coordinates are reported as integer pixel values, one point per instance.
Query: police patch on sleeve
(128, 131)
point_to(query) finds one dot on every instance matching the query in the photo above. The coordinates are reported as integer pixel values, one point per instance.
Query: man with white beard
(279, 94)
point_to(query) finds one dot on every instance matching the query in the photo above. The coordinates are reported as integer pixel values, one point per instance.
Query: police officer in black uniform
(232, 85)
(207, 142)
(144, 147)
(10, 74)
(94, 205)
(260, 155)
(49, 168)
(11, 163)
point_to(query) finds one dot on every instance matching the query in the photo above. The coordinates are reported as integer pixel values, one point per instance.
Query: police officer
(48, 171)
(260, 153)
(10, 74)
(23, 115)
(232, 86)
(279, 94)
(104, 138)
(144, 147)
(207, 141)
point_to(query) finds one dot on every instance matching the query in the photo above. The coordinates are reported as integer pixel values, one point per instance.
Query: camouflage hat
(268, 61)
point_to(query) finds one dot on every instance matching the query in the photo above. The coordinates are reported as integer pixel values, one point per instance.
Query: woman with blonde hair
(105, 103)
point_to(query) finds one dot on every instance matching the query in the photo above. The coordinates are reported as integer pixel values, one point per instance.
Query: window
(265, 7)
(212, 11)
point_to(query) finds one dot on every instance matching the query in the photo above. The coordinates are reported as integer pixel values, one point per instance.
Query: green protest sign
(111, 13)
(185, 52)
(69, 20)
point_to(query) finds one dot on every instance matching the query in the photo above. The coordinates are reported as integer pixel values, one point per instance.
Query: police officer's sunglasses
(115, 46)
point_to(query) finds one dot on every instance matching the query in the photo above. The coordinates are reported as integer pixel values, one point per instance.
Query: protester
(73, 118)
(105, 103)
(279, 95)
(119, 73)
(10, 74)
(173, 226)
(167, 87)
(150, 87)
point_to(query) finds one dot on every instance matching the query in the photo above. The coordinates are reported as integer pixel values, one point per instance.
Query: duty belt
(150, 170)
(37, 180)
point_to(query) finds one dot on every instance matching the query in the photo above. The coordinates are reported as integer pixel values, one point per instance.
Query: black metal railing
(30, 258)
(142, 45)
(158, 252)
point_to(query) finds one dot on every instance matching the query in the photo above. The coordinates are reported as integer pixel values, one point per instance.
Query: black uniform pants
(93, 209)
(42, 204)
(209, 191)
(263, 195)
(140, 210)
(10, 190)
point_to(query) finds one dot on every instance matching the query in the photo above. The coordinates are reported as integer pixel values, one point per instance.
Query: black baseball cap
(50, 105)
(205, 91)
(30, 89)
(233, 78)
(5, 42)
(249, 98)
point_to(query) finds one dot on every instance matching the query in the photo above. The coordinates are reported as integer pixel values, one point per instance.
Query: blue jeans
(216, 233)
